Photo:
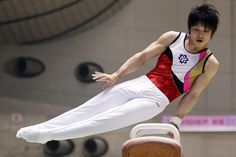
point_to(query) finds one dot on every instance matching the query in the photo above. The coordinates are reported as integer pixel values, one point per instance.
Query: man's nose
(200, 34)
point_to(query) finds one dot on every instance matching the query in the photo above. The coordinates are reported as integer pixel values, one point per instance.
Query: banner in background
(206, 123)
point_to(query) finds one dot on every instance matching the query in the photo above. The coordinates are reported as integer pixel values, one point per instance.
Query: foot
(20, 133)
(33, 135)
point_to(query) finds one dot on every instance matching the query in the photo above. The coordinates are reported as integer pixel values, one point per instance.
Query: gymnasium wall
(109, 44)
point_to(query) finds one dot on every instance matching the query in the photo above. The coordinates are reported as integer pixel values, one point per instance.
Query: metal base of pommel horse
(144, 141)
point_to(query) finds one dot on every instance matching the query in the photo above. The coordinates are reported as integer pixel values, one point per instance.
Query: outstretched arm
(137, 60)
(189, 100)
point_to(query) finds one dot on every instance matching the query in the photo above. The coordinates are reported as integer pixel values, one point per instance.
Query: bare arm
(138, 60)
(187, 103)
(153, 50)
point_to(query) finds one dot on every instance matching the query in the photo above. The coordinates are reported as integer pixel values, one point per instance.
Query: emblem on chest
(183, 59)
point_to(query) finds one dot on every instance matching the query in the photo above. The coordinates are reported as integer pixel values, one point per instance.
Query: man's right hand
(110, 79)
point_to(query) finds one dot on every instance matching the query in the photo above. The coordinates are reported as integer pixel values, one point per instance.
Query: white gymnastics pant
(124, 104)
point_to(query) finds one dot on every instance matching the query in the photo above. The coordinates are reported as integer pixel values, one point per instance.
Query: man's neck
(191, 47)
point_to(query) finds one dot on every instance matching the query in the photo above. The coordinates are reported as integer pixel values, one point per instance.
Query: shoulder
(168, 37)
(212, 64)
(213, 61)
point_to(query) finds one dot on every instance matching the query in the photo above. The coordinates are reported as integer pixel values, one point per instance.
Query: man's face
(200, 35)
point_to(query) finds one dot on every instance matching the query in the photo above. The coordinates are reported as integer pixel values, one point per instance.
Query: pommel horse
(144, 141)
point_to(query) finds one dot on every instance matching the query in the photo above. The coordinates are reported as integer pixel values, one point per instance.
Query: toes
(20, 133)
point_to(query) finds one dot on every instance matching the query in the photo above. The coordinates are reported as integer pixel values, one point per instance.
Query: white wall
(110, 44)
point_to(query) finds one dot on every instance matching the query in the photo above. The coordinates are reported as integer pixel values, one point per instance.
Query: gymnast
(184, 66)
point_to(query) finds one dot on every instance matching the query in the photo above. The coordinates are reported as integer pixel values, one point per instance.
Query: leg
(134, 111)
(101, 108)
(104, 101)
(94, 106)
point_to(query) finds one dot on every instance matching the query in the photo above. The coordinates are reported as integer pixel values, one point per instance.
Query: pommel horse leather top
(145, 141)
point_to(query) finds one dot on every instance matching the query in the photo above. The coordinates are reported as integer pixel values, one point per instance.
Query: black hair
(206, 15)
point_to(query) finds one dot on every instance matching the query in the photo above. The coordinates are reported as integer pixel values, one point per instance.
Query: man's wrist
(117, 75)
(176, 121)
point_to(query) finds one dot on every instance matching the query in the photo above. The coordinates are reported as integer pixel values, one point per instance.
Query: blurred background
(49, 48)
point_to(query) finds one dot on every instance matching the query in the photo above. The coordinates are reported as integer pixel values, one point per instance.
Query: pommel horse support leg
(143, 143)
